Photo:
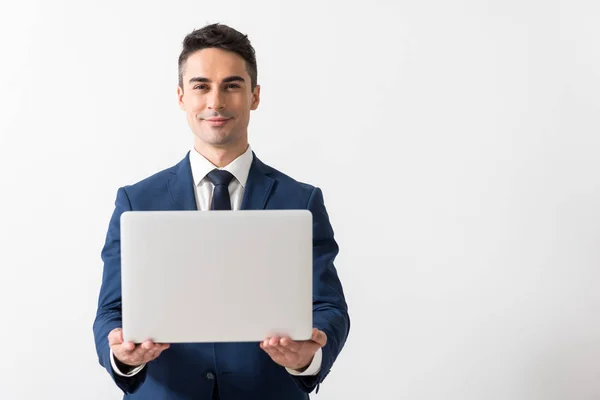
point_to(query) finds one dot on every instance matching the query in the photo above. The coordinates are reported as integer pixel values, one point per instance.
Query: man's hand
(131, 354)
(291, 354)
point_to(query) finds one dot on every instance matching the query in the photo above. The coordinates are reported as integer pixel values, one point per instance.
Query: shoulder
(287, 186)
(155, 183)
(285, 180)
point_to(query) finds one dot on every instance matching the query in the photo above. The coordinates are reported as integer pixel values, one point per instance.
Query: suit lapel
(258, 187)
(181, 186)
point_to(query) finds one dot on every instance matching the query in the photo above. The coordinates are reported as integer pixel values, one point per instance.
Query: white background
(456, 144)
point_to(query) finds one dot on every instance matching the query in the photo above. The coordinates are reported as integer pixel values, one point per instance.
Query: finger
(279, 351)
(158, 349)
(128, 347)
(164, 346)
(148, 345)
(115, 337)
(148, 349)
(275, 344)
(266, 344)
(138, 353)
(265, 347)
(274, 341)
(151, 355)
(308, 349)
(274, 354)
(124, 348)
(268, 347)
(161, 349)
(289, 344)
(271, 342)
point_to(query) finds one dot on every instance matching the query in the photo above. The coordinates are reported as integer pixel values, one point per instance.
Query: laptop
(216, 276)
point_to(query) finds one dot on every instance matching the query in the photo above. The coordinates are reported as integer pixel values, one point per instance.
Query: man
(217, 90)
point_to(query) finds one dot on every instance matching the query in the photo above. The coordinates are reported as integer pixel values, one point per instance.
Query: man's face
(217, 97)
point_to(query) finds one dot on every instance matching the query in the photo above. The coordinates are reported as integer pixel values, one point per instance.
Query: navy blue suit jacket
(242, 370)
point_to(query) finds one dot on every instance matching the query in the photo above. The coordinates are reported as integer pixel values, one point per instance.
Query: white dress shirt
(239, 168)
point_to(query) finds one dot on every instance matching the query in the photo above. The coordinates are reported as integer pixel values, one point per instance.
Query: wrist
(305, 367)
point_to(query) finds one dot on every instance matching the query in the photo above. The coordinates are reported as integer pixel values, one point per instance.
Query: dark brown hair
(221, 37)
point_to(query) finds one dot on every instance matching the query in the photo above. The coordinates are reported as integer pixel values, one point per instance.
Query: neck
(220, 156)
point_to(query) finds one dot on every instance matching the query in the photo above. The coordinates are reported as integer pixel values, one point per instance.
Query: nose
(215, 102)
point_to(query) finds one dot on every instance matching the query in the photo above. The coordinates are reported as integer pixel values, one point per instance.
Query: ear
(255, 98)
(180, 98)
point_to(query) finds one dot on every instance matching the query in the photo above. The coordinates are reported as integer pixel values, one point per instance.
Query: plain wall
(456, 143)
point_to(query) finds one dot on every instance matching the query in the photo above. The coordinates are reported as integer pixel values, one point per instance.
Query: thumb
(319, 337)
(129, 346)
(115, 336)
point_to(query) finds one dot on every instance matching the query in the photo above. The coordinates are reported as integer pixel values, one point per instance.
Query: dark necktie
(220, 178)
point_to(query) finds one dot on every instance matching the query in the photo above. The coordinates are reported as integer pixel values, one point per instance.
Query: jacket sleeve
(108, 315)
(330, 311)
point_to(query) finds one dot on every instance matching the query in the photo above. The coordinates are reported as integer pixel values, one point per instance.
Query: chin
(216, 138)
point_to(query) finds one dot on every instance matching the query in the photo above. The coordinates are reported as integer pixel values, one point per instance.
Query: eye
(201, 86)
(232, 86)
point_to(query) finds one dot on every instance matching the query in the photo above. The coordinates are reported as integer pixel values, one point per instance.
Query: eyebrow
(229, 79)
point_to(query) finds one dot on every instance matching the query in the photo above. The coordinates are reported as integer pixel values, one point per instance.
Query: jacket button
(210, 376)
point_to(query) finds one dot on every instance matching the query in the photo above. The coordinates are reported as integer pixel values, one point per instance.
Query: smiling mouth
(217, 121)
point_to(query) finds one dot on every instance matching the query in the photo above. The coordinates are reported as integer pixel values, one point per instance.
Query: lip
(217, 121)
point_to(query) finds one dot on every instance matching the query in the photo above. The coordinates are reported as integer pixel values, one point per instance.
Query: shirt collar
(239, 168)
